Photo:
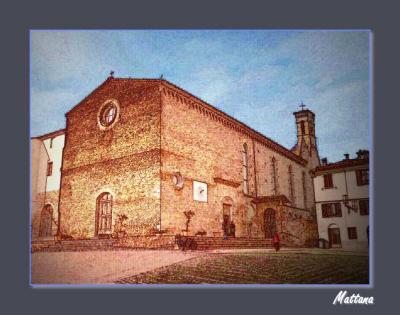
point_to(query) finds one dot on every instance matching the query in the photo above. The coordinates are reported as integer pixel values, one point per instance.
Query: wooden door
(104, 214)
(269, 223)
(334, 237)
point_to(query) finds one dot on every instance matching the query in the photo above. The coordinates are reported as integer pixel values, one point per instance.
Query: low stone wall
(38, 246)
(152, 242)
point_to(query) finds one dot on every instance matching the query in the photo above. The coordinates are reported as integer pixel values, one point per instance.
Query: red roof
(344, 164)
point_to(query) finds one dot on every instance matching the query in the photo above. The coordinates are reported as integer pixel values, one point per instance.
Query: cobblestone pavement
(100, 267)
(261, 268)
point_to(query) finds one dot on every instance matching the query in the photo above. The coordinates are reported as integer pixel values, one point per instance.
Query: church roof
(126, 82)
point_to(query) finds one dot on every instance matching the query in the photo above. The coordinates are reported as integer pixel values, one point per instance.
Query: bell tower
(306, 145)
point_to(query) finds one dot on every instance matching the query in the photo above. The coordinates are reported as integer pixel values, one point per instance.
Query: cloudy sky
(259, 77)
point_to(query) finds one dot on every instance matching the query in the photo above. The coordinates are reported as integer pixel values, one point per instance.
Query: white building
(342, 201)
(46, 153)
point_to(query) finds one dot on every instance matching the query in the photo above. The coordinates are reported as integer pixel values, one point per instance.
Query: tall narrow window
(362, 177)
(49, 168)
(364, 206)
(51, 143)
(303, 128)
(328, 181)
(303, 180)
(245, 169)
(274, 176)
(291, 184)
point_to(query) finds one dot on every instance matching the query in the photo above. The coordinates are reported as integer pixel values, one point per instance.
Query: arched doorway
(227, 215)
(46, 220)
(269, 222)
(104, 214)
(334, 236)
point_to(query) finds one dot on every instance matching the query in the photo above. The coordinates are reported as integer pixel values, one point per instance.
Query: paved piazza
(262, 266)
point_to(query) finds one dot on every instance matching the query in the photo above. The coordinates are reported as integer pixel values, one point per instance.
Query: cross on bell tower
(302, 105)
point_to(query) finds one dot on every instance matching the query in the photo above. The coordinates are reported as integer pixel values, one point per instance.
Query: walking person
(276, 240)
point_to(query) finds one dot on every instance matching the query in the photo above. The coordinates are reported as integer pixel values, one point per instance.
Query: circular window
(108, 114)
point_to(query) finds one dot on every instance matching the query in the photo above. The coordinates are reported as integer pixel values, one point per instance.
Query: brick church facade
(148, 150)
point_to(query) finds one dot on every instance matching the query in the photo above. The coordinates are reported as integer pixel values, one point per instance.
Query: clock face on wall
(199, 191)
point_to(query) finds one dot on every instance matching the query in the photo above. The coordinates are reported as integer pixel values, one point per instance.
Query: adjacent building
(46, 157)
(150, 151)
(342, 201)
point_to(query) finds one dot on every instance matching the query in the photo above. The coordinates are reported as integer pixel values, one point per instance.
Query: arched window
(303, 180)
(291, 184)
(104, 214)
(303, 128)
(245, 169)
(46, 220)
(274, 176)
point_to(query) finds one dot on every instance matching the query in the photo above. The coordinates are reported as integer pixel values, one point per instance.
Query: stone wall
(123, 160)
(204, 148)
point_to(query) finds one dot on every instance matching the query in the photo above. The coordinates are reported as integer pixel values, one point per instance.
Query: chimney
(363, 154)
(346, 156)
(324, 161)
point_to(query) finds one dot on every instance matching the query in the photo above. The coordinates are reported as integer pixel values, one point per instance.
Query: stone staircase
(73, 245)
(203, 243)
(219, 243)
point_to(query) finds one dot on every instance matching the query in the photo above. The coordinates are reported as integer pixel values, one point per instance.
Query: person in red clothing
(276, 240)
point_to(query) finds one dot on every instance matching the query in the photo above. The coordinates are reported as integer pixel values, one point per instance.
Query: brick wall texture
(163, 130)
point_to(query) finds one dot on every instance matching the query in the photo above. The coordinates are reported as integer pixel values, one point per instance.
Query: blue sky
(259, 77)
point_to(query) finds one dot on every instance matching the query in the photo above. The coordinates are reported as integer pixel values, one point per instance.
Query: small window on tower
(303, 128)
(49, 168)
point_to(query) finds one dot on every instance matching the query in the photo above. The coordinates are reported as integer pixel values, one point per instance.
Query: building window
(303, 180)
(362, 177)
(352, 232)
(364, 206)
(331, 210)
(108, 114)
(274, 176)
(303, 129)
(51, 143)
(328, 181)
(49, 168)
(291, 184)
(245, 169)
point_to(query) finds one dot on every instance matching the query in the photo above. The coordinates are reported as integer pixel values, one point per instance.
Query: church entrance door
(104, 215)
(269, 223)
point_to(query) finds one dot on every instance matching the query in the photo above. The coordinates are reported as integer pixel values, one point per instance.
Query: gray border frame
(18, 19)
